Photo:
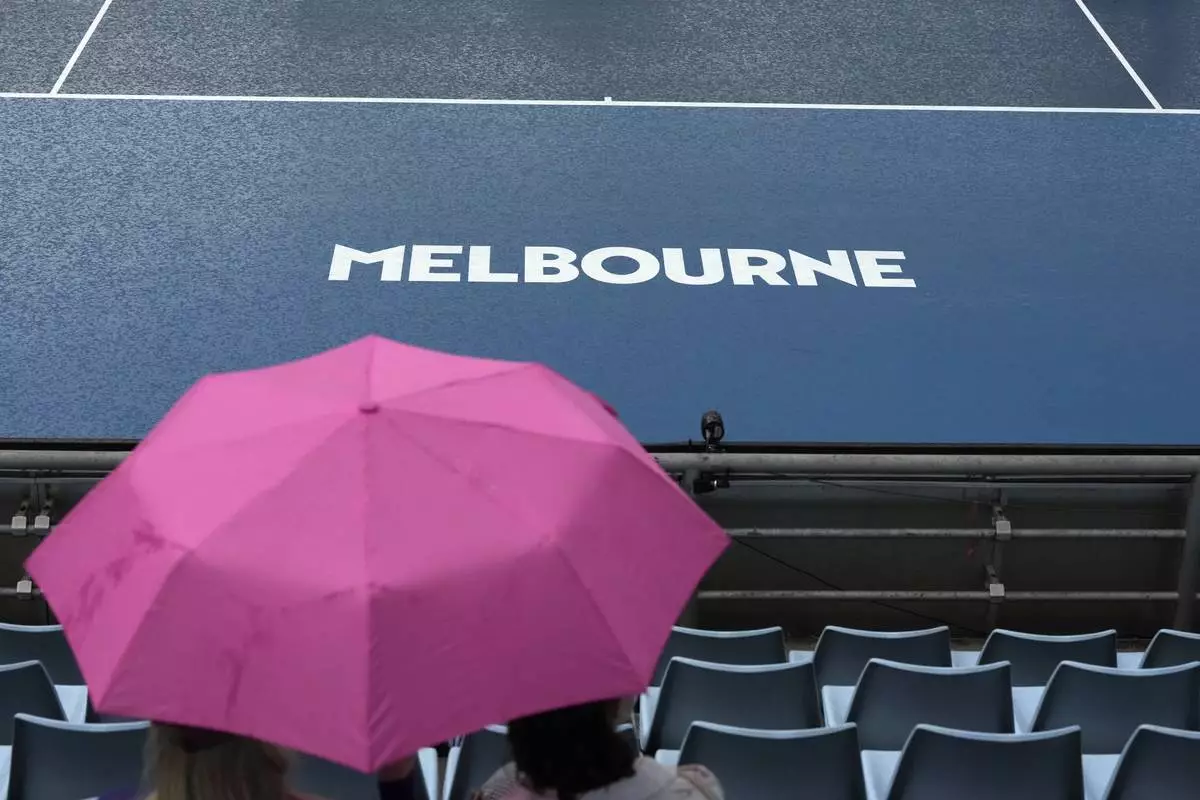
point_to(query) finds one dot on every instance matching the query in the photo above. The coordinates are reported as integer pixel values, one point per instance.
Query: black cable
(836, 588)
(905, 495)
(985, 504)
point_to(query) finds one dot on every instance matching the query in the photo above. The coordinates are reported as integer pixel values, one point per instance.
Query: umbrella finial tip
(368, 407)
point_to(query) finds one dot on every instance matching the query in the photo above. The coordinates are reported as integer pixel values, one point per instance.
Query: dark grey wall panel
(1161, 39)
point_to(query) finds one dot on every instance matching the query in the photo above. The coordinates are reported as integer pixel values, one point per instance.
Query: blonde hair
(196, 764)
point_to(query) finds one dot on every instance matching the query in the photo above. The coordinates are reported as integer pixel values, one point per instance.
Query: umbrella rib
(502, 426)
(591, 599)
(625, 455)
(469, 479)
(137, 628)
(506, 369)
(496, 500)
(251, 436)
(543, 373)
(186, 552)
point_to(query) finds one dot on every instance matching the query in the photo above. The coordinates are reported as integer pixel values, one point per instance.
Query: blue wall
(144, 243)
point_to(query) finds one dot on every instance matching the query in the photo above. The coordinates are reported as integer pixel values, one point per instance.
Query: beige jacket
(650, 781)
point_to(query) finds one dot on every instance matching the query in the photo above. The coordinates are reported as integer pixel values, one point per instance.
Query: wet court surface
(933, 221)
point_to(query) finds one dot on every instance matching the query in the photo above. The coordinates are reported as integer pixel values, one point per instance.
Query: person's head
(571, 750)
(195, 764)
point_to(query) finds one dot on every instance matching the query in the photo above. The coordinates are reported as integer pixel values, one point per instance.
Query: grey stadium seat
(44, 643)
(1035, 657)
(1109, 704)
(55, 760)
(480, 754)
(943, 764)
(771, 765)
(892, 699)
(630, 736)
(768, 696)
(26, 689)
(841, 653)
(1158, 764)
(1171, 648)
(762, 646)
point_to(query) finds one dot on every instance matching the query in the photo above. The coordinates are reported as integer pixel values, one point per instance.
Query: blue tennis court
(938, 222)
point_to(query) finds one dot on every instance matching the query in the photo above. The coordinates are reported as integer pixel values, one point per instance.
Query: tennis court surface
(834, 220)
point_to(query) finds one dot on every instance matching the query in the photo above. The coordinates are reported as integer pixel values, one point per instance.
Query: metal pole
(930, 464)
(954, 533)
(775, 463)
(689, 617)
(1189, 562)
(9, 591)
(55, 460)
(956, 596)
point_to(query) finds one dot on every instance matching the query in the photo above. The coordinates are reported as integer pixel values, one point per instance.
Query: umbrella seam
(470, 479)
(184, 552)
(591, 599)
(625, 455)
(520, 517)
(480, 423)
(249, 437)
(507, 369)
(366, 539)
(225, 519)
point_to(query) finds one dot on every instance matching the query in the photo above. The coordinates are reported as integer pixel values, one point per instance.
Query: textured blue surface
(37, 38)
(999, 52)
(145, 243)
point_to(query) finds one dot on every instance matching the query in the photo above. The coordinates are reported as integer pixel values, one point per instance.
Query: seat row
(841, 653)
(51, 759)
(48, 751)
(942, 764)
(936, 763)
(891, 698)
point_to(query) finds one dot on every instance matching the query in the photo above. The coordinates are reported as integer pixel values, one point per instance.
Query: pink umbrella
(374, 549)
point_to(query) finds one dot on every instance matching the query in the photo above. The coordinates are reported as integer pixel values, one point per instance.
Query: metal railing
(1185, 467)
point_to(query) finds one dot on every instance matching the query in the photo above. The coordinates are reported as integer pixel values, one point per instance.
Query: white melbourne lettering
(430, 263)
(624, 266)
(550, 265)
(595, 266)
(392, 260)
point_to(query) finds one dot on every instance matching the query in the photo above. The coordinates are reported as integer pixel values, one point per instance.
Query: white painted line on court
(79, 48)
(1116, 51)
(434, 101)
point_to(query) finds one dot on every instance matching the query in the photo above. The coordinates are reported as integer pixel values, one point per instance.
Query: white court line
(419, 101)
(79, 48)
(1116, 51)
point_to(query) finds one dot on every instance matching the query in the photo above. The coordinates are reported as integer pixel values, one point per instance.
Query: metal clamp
(1002, 524)
(20, 520)
(41, 523)
(995, 587)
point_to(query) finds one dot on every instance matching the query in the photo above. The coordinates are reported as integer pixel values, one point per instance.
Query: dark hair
(572, 750)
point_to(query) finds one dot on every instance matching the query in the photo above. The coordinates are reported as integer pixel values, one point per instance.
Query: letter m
(392, 261)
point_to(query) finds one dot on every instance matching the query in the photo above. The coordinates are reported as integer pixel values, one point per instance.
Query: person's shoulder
(502, 784)
(686, 782)
(701, 780)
